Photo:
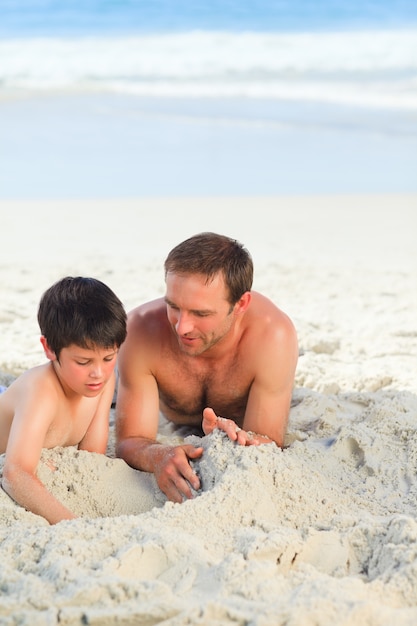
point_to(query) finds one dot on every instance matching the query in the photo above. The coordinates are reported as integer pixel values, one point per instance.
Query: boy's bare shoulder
(40, 379)
(31, 396)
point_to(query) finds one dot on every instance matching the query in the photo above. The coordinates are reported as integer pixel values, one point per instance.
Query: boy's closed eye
(106, 359)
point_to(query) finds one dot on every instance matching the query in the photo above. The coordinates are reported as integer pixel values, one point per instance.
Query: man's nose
(184, 324)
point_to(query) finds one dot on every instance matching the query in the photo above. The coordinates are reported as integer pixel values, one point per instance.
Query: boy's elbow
(15, 480)
(8, 481)
(96, 447)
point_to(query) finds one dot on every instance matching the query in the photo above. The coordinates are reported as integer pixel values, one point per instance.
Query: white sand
(323, 533)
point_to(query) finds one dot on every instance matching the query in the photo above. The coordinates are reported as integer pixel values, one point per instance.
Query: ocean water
(84, 17)
(228, 97)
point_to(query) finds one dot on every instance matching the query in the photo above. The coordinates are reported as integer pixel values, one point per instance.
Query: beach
(127, 127)
(322, 532)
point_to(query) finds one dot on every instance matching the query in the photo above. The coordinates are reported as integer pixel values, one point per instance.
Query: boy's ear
(50, 354)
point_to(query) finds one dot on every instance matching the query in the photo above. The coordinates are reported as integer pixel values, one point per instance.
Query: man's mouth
(185, 339)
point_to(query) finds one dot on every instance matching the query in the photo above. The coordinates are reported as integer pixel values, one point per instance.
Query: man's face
(198, 312)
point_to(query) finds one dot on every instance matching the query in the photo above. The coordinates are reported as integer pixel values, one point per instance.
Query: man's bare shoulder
(147, 326)
(269, 324)
(272, 315)
(273, 342)
(147, 314)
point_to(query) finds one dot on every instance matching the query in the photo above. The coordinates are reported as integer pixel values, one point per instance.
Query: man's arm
(137, 444)
(137, 415)
(137, 411)
(269, 399)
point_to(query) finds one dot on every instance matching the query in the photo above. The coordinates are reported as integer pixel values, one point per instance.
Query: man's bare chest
(187, 387)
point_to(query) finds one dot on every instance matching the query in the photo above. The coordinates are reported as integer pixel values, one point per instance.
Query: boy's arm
(97, 434)
(27, 435)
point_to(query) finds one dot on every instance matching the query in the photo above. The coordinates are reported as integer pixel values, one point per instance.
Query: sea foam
(367, 68)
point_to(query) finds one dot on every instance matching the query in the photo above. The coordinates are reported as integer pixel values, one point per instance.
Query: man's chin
(191, 351)
(189, 348)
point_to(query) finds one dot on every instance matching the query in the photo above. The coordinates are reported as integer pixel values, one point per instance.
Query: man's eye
(82, 362)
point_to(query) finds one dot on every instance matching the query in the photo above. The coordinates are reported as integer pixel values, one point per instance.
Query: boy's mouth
(94, 386)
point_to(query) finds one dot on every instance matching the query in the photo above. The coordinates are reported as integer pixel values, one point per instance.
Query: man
(210, 353)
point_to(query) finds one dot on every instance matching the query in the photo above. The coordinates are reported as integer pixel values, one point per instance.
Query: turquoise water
(160, 98)
(63, 17)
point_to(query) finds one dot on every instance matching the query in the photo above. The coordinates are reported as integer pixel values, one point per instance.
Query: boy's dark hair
(208, 254)
(81, 311)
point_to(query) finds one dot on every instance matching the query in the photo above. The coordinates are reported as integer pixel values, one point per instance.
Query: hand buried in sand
(232, 430)
(173, 472)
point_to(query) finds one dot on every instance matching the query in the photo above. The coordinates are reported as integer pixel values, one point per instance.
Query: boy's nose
(96, 371)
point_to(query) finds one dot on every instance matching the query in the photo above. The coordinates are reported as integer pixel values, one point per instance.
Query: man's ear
(243, 303)
(50, 354)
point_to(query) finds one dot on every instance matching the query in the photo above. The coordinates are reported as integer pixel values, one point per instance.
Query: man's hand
(174, 473)
(232, 430)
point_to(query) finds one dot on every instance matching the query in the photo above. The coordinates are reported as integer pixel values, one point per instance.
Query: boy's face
(85, 371)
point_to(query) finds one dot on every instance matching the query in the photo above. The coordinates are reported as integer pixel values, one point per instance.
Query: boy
(65, 402)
